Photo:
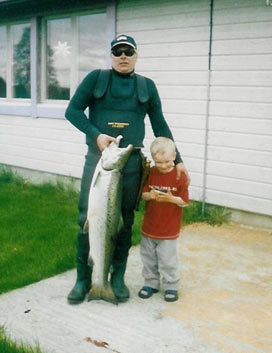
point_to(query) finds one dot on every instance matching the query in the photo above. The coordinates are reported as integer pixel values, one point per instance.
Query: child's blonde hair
(162, 145)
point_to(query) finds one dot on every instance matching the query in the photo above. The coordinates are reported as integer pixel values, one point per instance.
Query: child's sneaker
(171, 295)
(147, 292)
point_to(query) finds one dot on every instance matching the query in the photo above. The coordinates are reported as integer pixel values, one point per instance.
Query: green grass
(38, 226)
(8, 346)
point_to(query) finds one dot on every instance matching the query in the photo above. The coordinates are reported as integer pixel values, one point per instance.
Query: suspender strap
(101, 83)
(142, 91)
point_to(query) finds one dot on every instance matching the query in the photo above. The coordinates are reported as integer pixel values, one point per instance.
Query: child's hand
(169, 197)
(150, 195)
(153, 194)
(164, 196)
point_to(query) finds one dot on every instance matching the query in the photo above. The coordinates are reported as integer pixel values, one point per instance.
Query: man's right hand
(103, 141)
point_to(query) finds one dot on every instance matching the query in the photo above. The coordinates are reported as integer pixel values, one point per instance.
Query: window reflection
(74, 45)
(68, 64)
(3, 61)
(21, 60)
(58, 58)
(92, 43)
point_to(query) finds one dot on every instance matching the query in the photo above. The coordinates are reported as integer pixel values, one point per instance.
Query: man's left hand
(181, 169)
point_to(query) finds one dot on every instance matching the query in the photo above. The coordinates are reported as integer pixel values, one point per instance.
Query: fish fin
(119, 228)
(120, 225)
(90, 261)
(95, 178)
(102, 293)
(86, 227)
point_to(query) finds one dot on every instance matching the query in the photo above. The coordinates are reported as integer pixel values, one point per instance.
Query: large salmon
(103, 217)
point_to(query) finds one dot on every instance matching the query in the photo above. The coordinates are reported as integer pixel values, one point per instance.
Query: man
(118, 101)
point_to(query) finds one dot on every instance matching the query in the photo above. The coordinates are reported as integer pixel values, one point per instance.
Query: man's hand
(181, 169)
(103, 141)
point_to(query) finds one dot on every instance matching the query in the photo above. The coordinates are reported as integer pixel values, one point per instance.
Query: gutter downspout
(207, 110)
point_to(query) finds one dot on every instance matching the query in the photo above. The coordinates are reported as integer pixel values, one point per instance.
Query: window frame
(37, 106)
(9, 67)
(43, 86)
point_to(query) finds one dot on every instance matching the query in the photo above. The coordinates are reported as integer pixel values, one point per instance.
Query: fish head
(115, 157)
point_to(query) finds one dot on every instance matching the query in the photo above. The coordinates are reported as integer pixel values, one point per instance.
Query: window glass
(75, 46)
(3, 62)
(92, 43)
(21, 60)
(58, 58)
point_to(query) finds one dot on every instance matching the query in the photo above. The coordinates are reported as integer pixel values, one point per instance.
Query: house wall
(240, 127)
(173, 39)
(43, 144)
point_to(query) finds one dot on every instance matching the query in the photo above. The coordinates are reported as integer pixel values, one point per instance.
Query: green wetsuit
(119, 108)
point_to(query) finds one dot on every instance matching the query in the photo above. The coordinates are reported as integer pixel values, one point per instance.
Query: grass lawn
(7, 346)
(38, 228)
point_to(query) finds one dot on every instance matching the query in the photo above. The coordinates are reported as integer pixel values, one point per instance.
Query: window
(3, 62)
(42, 60)
(15, 61)
(72, 47)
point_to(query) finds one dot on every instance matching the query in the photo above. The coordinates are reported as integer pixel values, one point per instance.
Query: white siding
(48, 145)
(173, 41)
(240, 137)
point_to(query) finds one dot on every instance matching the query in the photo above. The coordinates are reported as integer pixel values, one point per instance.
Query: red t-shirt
(162, 220)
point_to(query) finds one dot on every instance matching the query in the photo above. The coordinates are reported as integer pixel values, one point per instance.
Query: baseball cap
(124, 39)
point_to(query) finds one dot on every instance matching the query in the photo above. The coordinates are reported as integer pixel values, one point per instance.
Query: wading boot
(117, 281)
(83, 283)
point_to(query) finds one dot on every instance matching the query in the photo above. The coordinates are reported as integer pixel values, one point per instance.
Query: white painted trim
(111, 27)
(9, 61)
(74, 59)
(16, 108)
(51, 110)
(34, 66)
(43, 61)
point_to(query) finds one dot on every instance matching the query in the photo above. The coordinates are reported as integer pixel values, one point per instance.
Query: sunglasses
(119, 51)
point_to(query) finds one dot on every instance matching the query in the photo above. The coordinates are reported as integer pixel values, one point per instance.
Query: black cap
(124, 39)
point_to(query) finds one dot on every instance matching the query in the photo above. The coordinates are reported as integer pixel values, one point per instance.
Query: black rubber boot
(83, 283)
(117, 281)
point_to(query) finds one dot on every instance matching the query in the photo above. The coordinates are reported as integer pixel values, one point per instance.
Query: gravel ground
(225, 303)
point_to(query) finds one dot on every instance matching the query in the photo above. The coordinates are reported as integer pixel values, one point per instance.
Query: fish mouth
(118, 140)
(117, 143)
(115, 157)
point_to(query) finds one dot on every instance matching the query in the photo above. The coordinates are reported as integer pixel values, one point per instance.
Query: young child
(165, 196)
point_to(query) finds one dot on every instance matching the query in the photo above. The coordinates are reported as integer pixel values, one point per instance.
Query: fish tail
(102, 293)
(86, 227)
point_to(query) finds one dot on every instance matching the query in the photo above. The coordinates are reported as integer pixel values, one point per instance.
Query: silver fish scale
(103, 217)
